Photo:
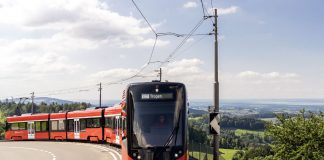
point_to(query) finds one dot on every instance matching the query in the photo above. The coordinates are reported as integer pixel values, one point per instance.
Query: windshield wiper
(174, 130)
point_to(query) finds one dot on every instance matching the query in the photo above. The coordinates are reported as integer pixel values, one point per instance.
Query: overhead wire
(203, 7)
(182, 43)
(148, 23)
(189, 47)
(138, 73)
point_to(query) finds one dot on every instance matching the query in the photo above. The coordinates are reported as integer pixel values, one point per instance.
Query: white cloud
(76, 19)
(50, 31)
(114, 74)
(150, 42)
(268, 77)
(189, 40)
(190, 4)
(35, 67)
(224, 11)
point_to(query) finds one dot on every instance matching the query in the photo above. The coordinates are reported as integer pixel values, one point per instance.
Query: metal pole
(216, 90)
(160, 74)
(192, 148)
(100, 94)
(199, 150)
(207, 151)
(32, 97)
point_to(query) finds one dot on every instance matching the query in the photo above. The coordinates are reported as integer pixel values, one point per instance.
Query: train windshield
(158, 118)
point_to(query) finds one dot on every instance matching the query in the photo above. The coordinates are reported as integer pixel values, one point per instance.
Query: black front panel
(156, 120)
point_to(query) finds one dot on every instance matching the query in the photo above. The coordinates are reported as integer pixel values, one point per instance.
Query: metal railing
(200, 151)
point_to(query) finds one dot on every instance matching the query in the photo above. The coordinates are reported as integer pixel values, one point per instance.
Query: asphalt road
(35, 150)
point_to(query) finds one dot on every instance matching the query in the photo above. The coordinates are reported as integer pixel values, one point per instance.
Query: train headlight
(134, 154)
(139, 157)
(176, 155)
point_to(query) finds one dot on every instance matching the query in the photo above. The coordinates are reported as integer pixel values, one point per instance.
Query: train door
(76, 128)
(31, 130)
(117, 131)
(123, 121)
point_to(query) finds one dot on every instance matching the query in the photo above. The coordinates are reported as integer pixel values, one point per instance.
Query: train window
(22, 125)
(114, 123)
(109, 122)
(124, 123)
(38, 126)
(61, 125)
(54, 125)
(44, 126)
(14, 126)
(120, 124)
(93, 123)
(82, 124)
(70, 125)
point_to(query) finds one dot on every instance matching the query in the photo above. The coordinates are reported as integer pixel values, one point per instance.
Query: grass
(268, 119)
(227, 154)
(240, 132)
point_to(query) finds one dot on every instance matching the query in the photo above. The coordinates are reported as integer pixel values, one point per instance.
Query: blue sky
(268, 49)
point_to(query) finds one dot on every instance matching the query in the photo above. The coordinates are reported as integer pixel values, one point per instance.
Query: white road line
(34, 149)
(113, 155)
(104, 149)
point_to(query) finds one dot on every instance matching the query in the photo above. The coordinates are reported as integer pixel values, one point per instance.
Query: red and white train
(150, 123)
(100, 125)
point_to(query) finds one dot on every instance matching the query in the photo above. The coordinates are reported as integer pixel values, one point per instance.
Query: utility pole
(216, 90)
(100, 88)
(32, 97)
(159, 74)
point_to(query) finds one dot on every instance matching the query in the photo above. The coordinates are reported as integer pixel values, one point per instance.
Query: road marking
(104, 149)
(113, 155)
(34, 149)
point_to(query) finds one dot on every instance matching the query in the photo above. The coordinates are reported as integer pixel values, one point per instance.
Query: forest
(298, 136)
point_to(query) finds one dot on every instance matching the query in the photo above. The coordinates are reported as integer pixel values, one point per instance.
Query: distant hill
(196, 111)
(49, 100)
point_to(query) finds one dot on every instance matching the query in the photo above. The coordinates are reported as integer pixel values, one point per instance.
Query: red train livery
(99, 125)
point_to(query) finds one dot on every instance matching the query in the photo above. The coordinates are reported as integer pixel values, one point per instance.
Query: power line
(204, 10)
(148, 23)
(203, 7)
(182, 35)
(138, 73)
(182, 42)
(211, 3)
(193, 44)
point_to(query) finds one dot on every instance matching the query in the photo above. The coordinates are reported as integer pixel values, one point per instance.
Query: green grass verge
(240, 132)
(268, 119)
(227, 154)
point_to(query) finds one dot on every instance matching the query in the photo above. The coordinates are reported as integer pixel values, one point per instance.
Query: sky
(64, 48)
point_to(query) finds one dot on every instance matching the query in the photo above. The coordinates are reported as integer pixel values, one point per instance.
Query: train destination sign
(153, 96)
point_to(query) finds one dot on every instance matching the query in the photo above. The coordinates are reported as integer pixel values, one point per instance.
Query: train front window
(155, 119)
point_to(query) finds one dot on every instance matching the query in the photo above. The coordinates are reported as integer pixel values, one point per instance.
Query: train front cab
(27, 127)
(147, 105)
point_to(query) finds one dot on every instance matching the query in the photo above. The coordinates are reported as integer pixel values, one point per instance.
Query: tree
(2, 125)
(299, 137)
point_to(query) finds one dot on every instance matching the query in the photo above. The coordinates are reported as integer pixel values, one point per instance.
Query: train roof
(25, 118)
(85, 113)
(154, 83)
(58, 115)
(117, 109)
